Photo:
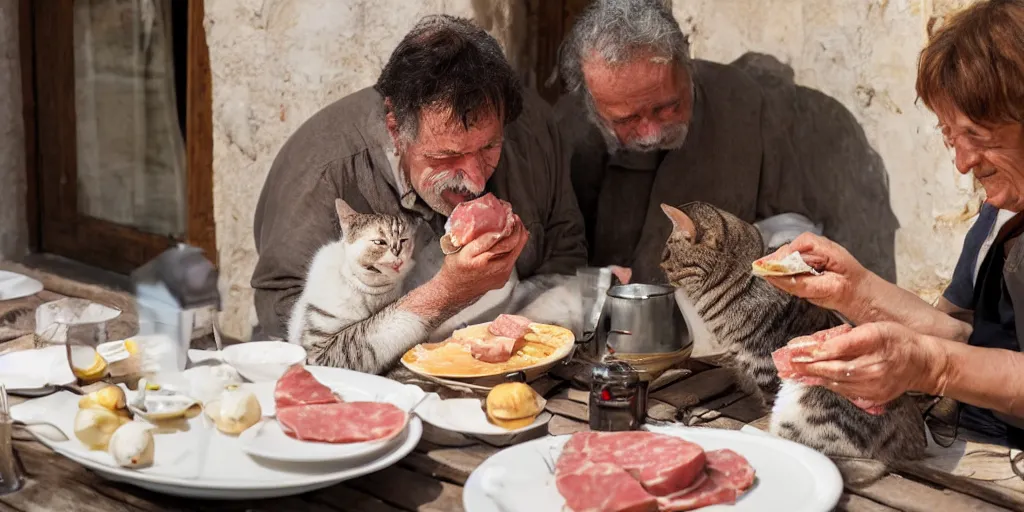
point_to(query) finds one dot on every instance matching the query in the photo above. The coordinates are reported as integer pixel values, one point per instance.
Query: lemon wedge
(111, 398)
(96, 370)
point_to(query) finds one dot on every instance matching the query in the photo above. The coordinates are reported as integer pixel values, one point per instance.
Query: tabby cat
(708, 256)
(346, 316)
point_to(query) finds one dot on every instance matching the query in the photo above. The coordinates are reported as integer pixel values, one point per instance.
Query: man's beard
(669, 138)
(447, 181)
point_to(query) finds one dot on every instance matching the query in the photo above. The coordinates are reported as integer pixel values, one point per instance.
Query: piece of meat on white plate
(646, 472)
(728, 475)
(489, 349)
(510, 326)
(299, 387)
(597, 486)
(345, 422)
(661, 464)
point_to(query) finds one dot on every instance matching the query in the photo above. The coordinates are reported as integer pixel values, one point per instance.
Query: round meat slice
(470, 219)
(603, 487)
(299, 387)
(663, 464)
(346, 422)
(729, 469)
(510, 326)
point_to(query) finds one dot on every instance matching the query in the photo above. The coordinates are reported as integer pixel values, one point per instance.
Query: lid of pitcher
(185, 273)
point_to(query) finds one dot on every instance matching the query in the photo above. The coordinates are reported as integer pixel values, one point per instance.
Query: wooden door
(554, 20)
(114, 179)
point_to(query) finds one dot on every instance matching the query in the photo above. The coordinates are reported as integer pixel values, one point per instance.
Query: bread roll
(513, 405)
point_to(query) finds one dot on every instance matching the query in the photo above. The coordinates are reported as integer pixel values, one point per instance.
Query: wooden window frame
(55, 225)
(554, 21)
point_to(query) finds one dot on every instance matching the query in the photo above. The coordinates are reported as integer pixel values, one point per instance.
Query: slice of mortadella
(470, 219)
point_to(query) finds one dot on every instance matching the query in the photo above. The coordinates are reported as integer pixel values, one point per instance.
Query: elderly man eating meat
(447, 121)
(647, 125)
(971, 75)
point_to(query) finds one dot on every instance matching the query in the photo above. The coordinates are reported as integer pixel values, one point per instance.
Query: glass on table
(80, 326)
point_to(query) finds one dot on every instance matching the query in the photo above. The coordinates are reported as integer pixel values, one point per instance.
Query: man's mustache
(454, 181)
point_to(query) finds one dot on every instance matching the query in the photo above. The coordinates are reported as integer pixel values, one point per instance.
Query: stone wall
(864, 54)
(13, 226)
(275, 63)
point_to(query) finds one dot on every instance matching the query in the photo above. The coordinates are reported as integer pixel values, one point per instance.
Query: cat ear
(345, 212)
(680, 221)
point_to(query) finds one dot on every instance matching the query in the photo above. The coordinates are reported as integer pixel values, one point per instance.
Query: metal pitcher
(168, 292)
(642, 319)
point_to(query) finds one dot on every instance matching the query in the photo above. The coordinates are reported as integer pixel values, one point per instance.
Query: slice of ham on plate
(311, 423)
(510, 326)
(298, 387)
(754, 472)
(727, 476)
(489, 349)
(346, 422)
(663, 464)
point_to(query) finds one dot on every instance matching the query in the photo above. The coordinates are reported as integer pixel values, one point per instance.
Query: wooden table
(431, 478)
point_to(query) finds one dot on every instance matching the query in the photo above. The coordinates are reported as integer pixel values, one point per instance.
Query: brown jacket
(759, 145)
(733, 157)
(340, 152)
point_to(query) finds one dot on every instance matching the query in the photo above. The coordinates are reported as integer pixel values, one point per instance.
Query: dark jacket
(340, 152)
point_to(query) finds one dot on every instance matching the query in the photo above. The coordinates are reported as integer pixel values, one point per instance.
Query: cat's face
(379, 247)
(706, 242)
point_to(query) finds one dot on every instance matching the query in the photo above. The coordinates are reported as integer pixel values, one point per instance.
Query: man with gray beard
(648, 125)
(447, 121)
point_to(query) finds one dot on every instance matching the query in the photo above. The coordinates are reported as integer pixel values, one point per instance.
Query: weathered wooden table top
(431, 478)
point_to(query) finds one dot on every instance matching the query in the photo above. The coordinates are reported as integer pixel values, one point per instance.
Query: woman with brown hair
(968, 347)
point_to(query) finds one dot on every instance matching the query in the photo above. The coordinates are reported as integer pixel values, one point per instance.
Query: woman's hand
(875, 363)
(841, 274)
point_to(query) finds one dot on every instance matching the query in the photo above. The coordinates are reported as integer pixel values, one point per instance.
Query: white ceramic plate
(466, 416)
(16, 286)
(268, 441)
(200, 462)
(790, 476)
(36, 368)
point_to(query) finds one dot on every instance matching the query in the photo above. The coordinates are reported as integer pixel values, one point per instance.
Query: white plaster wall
(13, 226)
(864, 54)
(275, 63)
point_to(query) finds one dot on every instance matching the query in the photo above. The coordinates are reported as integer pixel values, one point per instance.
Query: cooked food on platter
(95, 425)
(156, 403)
(647, 472)
(470, 219)
(310, 411)
(509, 343)
(234, 411)
(132, 445)
(110, 397)
(791, 265)
(513, 405)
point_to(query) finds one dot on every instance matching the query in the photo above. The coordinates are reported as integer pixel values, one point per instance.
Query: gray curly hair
(617, 30)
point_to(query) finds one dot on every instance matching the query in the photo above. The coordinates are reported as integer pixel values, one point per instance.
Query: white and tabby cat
(346, 316)
(708, 256)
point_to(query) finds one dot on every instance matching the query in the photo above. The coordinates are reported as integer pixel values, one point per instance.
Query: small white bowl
(261, 361)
